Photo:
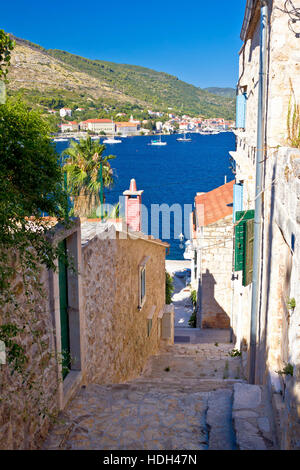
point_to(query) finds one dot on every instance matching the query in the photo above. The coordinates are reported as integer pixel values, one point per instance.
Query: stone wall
(31, 399)
(117, 344)
(215, 296)
(110, 337)
(278, 340)
(21, 426)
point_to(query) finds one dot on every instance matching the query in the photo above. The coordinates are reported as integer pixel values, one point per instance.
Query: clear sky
(198, 41)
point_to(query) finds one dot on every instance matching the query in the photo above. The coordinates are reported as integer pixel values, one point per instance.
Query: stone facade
(117, 341)
(278, 341)
(29, 400)
(110, 337)
(212, 274)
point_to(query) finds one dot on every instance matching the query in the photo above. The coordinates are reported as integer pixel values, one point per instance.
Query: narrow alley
(189, 396)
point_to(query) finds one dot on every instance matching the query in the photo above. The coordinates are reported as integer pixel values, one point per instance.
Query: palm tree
(82, 165)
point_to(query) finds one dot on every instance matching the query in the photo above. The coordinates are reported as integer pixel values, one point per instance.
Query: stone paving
(165, 408)
(189, 397)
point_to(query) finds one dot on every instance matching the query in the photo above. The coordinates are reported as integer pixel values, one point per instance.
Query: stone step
(204, 385)
(204, 349)
(182, 368)
(252, 418)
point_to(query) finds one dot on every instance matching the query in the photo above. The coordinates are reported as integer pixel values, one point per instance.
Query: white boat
(112, 140)
(158, 142)
(60, 139)
(184, 138)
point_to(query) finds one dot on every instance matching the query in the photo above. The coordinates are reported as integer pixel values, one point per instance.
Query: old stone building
(99, 320)
(266, 314)
(212, 235)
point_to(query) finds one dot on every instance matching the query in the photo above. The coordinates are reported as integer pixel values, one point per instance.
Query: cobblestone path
(183, 400)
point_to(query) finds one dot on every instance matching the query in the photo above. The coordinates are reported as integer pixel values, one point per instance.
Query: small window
(142, 281)
(149, 327)
(142, 286)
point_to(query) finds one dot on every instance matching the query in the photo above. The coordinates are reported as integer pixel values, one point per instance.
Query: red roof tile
(216, 204)
(99, 120)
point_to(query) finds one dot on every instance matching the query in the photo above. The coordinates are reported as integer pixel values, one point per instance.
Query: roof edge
(247, 18)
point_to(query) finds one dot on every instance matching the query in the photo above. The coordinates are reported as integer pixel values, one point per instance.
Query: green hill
(72, 79)
(225, 92)
(158, 88)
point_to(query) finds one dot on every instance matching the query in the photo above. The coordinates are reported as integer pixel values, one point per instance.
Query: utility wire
(293, 13)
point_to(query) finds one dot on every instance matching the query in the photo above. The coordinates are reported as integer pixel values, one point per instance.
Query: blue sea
(171, 174)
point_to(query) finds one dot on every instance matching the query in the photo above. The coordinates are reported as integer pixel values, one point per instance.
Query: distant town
(158, 123)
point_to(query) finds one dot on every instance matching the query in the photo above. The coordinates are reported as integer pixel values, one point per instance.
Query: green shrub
(194, 298)
(169, 288)
(193, 320)
(287, 370)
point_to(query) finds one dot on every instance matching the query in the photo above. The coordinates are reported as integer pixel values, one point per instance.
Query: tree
(30, 185)
(30, 181)
(82, 167)
(6, 46)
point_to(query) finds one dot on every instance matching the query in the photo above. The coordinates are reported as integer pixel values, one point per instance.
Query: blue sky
(196, 41)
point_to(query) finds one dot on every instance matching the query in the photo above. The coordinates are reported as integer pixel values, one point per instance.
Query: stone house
(266, 297)
(99, 320)
(212, 237)
(127, 128)
(98, 125)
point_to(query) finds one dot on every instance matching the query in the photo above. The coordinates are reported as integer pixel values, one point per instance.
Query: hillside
(42, 73)
(226, 92)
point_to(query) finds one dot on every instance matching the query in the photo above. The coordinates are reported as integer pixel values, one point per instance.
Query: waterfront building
(98, 125)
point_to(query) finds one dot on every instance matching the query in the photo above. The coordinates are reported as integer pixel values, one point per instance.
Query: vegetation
(293, 121)
(82, 167)
(291, 304)
(6, 46)
(226, 92)
(193, 318)
(169, 288)
(30, 185)
(235, 353)
(158, 90)
(287, 370)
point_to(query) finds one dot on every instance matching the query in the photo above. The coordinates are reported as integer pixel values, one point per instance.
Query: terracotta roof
(98, 120)
(125, 124)
(217, 204)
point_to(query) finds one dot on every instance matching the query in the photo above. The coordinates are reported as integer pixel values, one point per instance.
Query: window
(237, 199)
(143, 285)
(142, 282)
(241, 104)
(149, 327)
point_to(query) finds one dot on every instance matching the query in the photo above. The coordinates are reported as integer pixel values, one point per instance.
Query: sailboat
(184, 138)
(112, 140)
(157, 142)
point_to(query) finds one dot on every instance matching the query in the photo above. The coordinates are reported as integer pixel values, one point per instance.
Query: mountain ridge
(35, 70)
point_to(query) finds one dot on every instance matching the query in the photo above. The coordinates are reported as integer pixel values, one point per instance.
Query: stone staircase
(189, 397)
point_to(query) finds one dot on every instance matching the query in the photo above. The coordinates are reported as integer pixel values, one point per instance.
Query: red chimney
(133, 202)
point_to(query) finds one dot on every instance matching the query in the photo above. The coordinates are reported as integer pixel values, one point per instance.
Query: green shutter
(240, 238)
(248, 267)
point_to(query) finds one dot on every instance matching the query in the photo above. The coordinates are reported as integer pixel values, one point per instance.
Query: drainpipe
(258, 186)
